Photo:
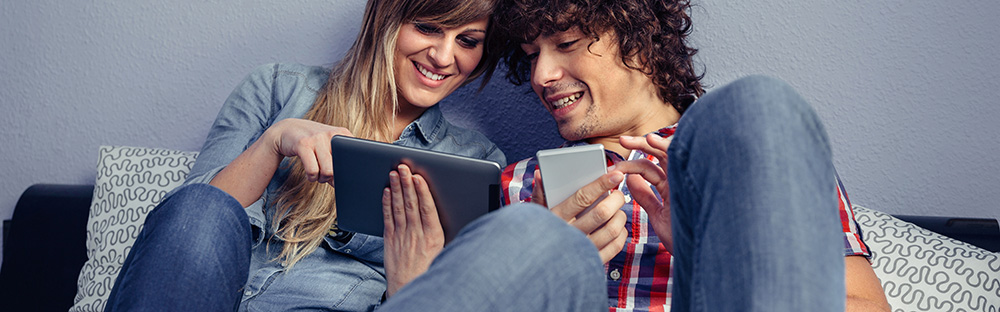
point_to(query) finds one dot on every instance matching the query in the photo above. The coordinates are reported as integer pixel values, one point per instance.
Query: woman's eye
(426, 28)
(530, 57)
(468, 42)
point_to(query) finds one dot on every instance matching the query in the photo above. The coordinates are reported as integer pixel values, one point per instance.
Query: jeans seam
(697, 297)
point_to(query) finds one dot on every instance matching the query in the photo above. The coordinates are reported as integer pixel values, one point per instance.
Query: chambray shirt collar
(426, 127)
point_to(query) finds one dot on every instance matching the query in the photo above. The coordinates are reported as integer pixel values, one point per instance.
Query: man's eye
(567, 45)
(468, 42)
(426, 28)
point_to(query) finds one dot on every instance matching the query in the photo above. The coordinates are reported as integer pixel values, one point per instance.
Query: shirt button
(615, 275)
(247, 293)
(348, 250)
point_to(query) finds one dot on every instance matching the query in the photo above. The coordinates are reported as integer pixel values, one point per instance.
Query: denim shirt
(278, 91)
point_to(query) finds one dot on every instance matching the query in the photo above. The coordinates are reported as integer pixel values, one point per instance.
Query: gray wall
(906, 88)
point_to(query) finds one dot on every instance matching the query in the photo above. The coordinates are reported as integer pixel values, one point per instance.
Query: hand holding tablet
(464, 188)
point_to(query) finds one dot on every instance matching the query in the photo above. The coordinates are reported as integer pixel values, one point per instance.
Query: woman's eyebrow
(475, 30)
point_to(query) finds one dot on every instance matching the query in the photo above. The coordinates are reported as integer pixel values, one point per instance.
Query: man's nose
(545, 71)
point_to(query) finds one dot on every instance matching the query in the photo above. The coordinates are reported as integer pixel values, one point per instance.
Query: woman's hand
(413, 233)
(310, 142)
(247, 176)
(642, 171)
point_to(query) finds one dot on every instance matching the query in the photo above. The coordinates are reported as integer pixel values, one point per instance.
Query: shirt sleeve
(517, 180)
(854, 244)
(241, 120)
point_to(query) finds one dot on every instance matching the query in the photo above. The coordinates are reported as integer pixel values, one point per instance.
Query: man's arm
(864, 291)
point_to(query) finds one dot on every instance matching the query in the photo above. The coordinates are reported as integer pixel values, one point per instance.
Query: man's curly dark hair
(651, 37)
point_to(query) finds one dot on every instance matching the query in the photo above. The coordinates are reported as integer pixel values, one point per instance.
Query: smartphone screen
(566, 170)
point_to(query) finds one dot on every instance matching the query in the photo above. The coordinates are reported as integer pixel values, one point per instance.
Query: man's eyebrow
(475, 30)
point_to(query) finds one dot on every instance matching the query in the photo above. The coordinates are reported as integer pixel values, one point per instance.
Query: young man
(740, 213)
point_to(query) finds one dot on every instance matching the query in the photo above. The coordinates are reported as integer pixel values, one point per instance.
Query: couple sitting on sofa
(701, 192)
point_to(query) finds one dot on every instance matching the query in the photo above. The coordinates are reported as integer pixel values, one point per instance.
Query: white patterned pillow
(130, 182)
(922, 270)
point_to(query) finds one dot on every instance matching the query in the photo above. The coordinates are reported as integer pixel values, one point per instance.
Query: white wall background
(907, 88)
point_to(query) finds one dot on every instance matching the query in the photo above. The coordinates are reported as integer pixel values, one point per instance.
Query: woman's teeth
(566, 100)
(429, 74)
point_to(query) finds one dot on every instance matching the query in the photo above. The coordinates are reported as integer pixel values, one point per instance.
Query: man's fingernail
(617, 177)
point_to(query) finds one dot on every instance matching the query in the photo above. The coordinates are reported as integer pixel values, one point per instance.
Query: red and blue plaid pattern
(639, 276)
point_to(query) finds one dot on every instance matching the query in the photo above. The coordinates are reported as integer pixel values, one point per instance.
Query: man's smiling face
(589, 91)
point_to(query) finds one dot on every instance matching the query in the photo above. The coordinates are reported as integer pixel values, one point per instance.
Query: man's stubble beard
(586, 128)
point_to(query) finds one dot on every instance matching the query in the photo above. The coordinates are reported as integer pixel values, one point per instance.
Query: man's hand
(601, 219)
(413, 233)
(642, 171)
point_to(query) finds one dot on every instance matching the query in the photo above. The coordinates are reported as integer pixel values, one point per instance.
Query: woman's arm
(247, 176)
(245, 146)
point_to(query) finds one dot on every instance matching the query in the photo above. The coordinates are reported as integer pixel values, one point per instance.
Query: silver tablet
(464, 188)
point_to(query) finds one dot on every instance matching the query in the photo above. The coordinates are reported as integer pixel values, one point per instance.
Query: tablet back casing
(464, 188)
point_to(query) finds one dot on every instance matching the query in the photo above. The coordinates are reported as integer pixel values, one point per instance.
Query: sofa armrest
(980, 232)
(46, 248)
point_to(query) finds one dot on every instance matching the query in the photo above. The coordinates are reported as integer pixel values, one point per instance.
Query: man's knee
(750, 107)
(760, 98)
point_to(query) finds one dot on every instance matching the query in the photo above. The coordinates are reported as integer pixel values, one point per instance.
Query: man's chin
(570, 134)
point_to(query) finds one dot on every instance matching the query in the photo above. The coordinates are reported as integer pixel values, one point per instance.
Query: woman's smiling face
(432, 61)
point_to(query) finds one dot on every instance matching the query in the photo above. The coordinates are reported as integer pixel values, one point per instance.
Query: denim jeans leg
(519, 258)
(753, 204)
(193, 254)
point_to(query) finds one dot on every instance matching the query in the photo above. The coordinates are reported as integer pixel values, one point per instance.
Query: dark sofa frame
(45, 245)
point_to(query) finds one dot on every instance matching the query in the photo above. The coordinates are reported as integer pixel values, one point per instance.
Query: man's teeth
(566, 100)
(429, 74)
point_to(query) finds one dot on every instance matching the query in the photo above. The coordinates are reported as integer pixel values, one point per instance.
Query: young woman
(254, 227)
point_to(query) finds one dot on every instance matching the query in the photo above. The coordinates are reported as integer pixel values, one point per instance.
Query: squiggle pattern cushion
(922, 270)
(130, 182)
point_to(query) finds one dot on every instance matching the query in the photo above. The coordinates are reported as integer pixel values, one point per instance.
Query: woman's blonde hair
(360, 95)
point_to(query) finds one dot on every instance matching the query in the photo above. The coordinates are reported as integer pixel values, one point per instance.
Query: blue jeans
(753, 207)
(519, 258)
(194, 254)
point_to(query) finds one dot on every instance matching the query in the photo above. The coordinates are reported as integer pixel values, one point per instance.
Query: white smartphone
(566, 170)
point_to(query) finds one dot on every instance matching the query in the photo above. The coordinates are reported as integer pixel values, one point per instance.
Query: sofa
(64, 244)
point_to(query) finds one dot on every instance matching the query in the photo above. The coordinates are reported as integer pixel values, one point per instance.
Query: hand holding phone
(566, 170)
